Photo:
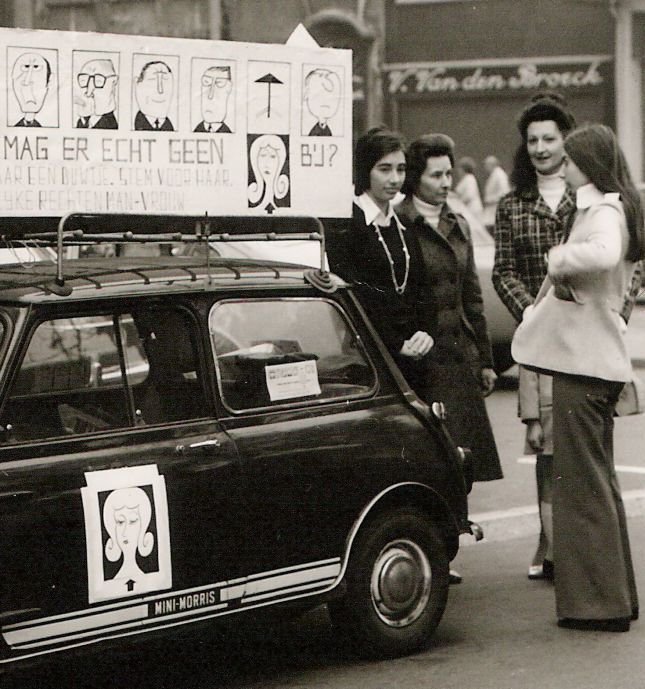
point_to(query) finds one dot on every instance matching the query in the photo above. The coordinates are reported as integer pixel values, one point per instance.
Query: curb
(518, 522)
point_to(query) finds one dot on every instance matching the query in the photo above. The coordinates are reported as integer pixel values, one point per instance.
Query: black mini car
(184, 438)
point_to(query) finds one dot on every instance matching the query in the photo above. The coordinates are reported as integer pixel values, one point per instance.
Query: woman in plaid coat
(529, 221)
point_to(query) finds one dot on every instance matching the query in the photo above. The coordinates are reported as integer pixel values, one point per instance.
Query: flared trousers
(594, 577)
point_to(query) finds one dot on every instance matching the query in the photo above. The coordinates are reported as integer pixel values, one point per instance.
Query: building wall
(468, 68)
(177, 18)
(355, 24)
(423, 31)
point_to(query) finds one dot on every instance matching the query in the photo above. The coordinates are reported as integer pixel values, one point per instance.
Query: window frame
(299, 402)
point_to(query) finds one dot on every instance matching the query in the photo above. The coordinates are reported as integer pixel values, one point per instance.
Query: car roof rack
(77, 229)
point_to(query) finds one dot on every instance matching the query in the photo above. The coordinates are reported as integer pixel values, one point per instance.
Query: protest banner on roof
(137, 124)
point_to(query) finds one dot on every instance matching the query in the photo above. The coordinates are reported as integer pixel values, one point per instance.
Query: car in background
(501, 325)
(26, 254)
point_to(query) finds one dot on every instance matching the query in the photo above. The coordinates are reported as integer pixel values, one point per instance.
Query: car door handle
(196, 447)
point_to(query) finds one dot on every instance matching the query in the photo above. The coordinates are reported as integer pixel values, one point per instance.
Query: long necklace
(398, 288)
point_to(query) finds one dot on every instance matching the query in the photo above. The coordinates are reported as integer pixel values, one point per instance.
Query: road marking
(622, 468)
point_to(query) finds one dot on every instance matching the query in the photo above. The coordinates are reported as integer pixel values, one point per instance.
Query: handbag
(632, 398)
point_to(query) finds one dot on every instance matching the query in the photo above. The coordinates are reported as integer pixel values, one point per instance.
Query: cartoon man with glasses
(153, 91)
(30, 75)
(97, 80)
(216, 86)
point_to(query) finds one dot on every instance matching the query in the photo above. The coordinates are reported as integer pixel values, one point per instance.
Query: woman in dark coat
(460, 366)
(378, 255)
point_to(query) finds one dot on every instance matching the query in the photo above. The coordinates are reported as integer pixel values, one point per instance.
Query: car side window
(272, 352)
(71, 378)
(94, 373)
(173, 390)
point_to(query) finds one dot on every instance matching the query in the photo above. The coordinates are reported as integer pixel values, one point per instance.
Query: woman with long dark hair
(529, 221)
(574, 330)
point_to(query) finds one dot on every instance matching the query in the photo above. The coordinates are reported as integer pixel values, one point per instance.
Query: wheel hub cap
(400, 583)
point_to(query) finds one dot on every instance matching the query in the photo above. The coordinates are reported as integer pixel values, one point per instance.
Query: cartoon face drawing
(30, 76)
(98, 80)
(216, 86)
(126, 516)
(322, 94)
(267, 156)
(268, 161)
(154, 91)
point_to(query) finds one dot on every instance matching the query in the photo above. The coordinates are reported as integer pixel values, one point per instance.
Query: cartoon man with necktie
(322, 94)
(98, 80)
(216, 87)
(30, 75)
(154, 90)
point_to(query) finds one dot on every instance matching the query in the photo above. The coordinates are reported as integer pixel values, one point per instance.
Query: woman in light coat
(575, 331)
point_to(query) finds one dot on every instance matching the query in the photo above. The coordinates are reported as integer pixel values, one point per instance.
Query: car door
(315, 441)
(118, 489)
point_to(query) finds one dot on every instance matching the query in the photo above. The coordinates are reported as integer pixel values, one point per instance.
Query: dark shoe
(548, 570)
(635, 613)
(454, 577)
(611, 624)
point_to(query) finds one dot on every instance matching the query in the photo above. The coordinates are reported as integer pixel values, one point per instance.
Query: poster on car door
(136, 124)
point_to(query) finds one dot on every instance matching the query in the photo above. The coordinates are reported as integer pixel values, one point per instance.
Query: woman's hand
(418, 345)
(535, 434)
(488, 379)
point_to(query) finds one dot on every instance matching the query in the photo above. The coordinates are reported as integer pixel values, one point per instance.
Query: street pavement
(508, 508)
(499, 631)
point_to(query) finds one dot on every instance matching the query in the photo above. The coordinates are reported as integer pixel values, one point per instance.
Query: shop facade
(468, 68)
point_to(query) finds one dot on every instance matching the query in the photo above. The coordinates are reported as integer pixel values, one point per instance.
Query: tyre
(397, 586)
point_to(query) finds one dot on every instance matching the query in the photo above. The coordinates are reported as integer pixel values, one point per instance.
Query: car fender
(409, 493)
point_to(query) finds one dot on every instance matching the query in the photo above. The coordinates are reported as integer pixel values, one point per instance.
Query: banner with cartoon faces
(137, 124)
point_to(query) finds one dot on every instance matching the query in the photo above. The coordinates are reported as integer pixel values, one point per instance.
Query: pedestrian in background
(467, 188)
(460, 365)
(535, 408)
(578, 304)
(529, 221)
(495, 187)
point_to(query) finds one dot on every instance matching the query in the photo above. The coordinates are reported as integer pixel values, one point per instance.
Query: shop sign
(112, 123)
(440, 78)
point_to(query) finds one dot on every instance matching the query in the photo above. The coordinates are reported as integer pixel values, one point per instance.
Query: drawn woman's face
(128, 527)
(268, 161)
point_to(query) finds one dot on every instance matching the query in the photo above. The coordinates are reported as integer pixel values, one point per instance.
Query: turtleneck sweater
(551, 188)
(428, 211)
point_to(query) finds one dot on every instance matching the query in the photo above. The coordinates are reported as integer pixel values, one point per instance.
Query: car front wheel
(397, 586)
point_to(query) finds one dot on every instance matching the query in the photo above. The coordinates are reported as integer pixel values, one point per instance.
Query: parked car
(189, 438)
